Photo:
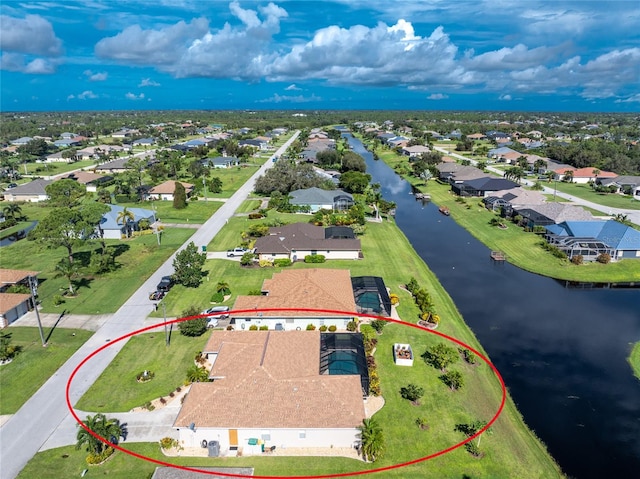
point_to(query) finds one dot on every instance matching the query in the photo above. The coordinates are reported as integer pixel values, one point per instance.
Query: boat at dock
(444, 210)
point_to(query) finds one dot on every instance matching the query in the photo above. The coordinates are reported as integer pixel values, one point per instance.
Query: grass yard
(142, 352)
(634, 359)
(50, 169)
(138, 258)
(511, 450)
(14, 229)
(585, 192)
(233, 178)
(30, 369)
(196, 212)
(248, 206)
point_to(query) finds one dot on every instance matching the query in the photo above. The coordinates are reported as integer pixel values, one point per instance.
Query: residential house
(116, 166)
(415, 151)
(451, 172)
(498, 153)
(113, 226)
(256, 143)
(144, 142)
(550, 213)
(297, 240)
(220, 162)
(166, 190)
(317, 199)
(21, 141)
(68, 142)
(590, 174)
(91, 180)
(589, 239)
(15, 305)
(626, 183)
(317, 289)
(282, 389)
(58, 157)
(509, 198)
(93, 152)
(483, 186)
(124, 133)
(32, 192)
(68, 135)
(476, 136)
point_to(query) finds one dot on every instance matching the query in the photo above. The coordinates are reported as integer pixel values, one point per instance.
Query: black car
(165, 284)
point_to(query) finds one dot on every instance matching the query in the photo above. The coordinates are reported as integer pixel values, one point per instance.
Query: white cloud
(161, 48)
(31, 35)
(147, 82)
(292, 87)
(98, 76)
(39, 66)
(290, 99)
(506, 97)
(632, 99)
(437, 96)
(85, 95)
(133, 96)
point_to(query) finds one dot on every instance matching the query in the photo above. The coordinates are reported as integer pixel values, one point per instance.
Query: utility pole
(204, 184)
(32, 287)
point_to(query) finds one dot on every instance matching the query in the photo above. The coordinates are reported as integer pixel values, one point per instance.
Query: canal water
(561, 351)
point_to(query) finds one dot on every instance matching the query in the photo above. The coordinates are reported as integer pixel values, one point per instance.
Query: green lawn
(138, 259)
(196, 212)
(585, 192)
(142, 352)
(50, 169)
(511, 451)
(233, 178)
(634, 359)
(248, 206)
(31, 368)
(14, 229)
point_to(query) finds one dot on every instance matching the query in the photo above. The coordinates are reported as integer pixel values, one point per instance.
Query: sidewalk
(91, 322)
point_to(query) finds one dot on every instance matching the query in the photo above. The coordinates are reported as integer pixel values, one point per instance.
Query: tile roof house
(91, 180)
(415, 151)
(455, 172)
(32, 192)
(628, 183)
(116, 166)
(591, 238)
(220, 162)
(319, 199)
(585, 175)
(551, 213)
(297, 240)
(14, 305)
(165, 191)
(272, 392)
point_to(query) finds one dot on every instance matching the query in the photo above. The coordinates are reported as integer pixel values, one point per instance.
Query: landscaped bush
(314, 258)
(468, 355)
(282, 262)
(352, 326)
(217, 297)
(453, 379)
(421, 422)
(193, 327)
(323, 328)
(394, 299)
(145, 376)
(94, 459)
(604, 258)
(555, 251)
(265, 263)
(412, 285)
(247, 259)
(253, 327)
(311, 327)
(57, 299)
(333, 328)
(412, 393)
(378, 325)
(168, 442)
(264, 327)
(577, 259)
(255, 216)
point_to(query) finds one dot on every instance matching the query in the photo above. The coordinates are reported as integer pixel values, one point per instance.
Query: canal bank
(562, 351)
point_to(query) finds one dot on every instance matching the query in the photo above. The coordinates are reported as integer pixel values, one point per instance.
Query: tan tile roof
(13, 276)
(270, 379)
(168, 187)
(302, 288)
(11, 300)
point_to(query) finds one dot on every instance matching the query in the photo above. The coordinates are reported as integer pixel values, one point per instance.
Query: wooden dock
(498, 256)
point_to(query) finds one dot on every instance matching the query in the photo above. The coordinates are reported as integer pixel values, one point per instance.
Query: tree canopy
(188, 265)
(287, 176)
(65, 193)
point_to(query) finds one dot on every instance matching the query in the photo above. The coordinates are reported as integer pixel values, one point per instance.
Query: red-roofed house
(164, 191)
(585, 175)
(14, 305)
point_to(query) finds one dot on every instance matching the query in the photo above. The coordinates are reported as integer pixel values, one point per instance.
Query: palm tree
(223, 287)
(568, 176)
(12, 210)
(69, 269)
(371, 440)
(125, 216)
(108, 429)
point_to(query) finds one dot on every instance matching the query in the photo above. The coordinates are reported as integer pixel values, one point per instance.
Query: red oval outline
(321, 476)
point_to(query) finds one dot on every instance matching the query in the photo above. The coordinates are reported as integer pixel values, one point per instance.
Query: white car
(236, 252)
(220, 312)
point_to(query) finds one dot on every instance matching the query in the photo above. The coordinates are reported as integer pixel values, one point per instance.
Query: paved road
(36, 422)
(632, 215)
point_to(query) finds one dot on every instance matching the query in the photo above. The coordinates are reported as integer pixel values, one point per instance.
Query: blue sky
(343, 54)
